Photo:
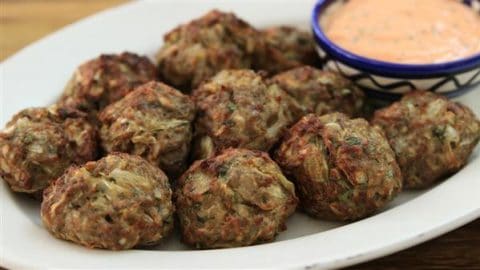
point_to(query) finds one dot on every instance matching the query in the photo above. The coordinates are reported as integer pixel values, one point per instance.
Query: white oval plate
(36, 75)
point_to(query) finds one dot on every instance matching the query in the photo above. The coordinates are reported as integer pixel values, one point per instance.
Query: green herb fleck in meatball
(106, 79)
(196, 51)
(38, 144)
(432, 137)
(287, 47)
(321, 92)
(118, 202)
(237, 198)
(343, 169)
(237, 108)
(153, 121)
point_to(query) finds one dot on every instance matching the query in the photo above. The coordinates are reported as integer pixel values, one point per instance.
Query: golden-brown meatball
(153, 121)
(237, 198)
(38, 144)
(106, 79)
(432, 137)
(196, 51)
(286, 48)
(118, 202)
(343, 169)
(236, 108)
(321, 92)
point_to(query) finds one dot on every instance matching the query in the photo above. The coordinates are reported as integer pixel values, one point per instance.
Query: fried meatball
(236, 108)
(153, 121)
(118, 202)
(38, 144)
(321, 92)
(106, 79)
(432, 137)
(343, 169)
(196, 51)
(287, 47)
(237, 198)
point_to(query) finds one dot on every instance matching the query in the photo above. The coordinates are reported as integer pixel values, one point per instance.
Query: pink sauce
(405, 31)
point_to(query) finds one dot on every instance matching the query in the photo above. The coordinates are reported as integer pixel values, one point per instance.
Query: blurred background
(24, 21)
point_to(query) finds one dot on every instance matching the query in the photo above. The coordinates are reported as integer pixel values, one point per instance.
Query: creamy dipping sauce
(404, 31)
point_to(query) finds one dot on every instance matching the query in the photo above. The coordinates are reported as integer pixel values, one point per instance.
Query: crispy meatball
(321, 92)
(106, 79)
(237, 198)
(286, 48)
(343, 169)
(153, 121)
(199, 49)
(38, 144)
(432, 137)
(236, 108)
(118, 202)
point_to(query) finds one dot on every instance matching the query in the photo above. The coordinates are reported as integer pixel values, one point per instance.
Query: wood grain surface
(24, 21)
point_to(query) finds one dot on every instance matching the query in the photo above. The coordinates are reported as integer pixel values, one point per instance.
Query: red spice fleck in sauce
(405, 31)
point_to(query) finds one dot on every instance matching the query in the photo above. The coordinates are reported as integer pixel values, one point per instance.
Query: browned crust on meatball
(321, 92)
(236, 108)
(196, 51)
(343, 169)
(431, 136)
(237, 198)
(286, 48)
(38, 144)
(118, 202)
(153, 121)
(106, 79)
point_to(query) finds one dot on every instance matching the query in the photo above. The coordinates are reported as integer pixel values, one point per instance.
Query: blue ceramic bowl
(386, 80)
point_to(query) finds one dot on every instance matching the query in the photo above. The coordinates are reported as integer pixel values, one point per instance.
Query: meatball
(321, 92)
(118, 202)
(106, 79)
(432, 137)
(343, 169)
(153, 121)
(236, 108)
(237, 198)
(286, 48)
(199, 49)
(38, 144)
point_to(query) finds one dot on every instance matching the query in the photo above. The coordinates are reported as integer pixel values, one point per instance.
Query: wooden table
(24, 21)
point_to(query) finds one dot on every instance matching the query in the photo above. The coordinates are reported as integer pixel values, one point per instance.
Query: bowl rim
(384, 68)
